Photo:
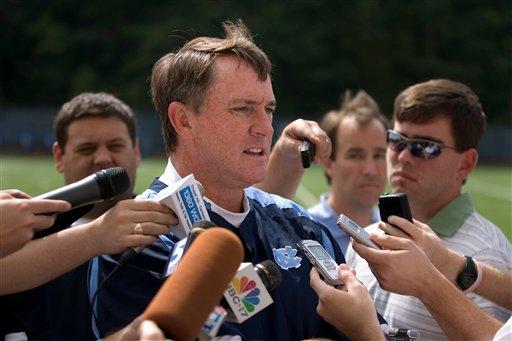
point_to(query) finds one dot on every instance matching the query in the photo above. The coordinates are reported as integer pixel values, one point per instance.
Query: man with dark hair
(431, 153)
(216, 103)
(356, 168)
(94, 131)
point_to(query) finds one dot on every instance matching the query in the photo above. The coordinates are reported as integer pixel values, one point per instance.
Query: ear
(469, 159)
(179, 116)
(57, 157)
(328, 167)
(136, 149)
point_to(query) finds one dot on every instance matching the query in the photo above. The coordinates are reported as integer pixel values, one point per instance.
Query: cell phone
(307, 153)
(394, 204)
(321, 260)
(355, 231)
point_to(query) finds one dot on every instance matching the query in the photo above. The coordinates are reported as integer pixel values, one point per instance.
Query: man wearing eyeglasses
(431, 153)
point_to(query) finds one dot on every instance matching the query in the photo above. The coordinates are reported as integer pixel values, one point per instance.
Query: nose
(262, 124)
(103, 158)
(403, 155)
(370, 167)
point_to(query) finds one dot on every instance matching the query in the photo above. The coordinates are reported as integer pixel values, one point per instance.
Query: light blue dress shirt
(323, 213)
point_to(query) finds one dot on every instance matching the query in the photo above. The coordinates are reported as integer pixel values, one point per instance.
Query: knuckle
(24, 205)
(27, 235)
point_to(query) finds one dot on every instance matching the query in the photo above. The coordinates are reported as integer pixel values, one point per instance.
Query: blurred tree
(51, 50)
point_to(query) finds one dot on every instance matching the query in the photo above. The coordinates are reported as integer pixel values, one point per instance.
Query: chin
(397, 185)
(368, 201)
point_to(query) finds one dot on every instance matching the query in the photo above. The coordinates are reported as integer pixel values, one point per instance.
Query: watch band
(468, 276)
(478, 278)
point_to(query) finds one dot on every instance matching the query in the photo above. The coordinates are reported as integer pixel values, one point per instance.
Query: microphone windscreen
(112, 182)
(185, 300)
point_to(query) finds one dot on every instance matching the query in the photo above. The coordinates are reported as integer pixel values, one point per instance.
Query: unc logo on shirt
(285, 257)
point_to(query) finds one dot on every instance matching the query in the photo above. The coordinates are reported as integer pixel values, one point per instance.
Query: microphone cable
(94, 316)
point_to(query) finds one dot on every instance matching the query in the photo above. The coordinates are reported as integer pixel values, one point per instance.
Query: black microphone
(269, 274)
(83, 194)
(95, 188)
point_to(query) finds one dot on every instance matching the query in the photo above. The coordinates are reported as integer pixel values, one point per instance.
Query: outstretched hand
(21, 216)
(349, 307)
(449, 262)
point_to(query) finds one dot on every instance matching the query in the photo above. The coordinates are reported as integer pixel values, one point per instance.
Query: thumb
(390, 242)
(348, 278)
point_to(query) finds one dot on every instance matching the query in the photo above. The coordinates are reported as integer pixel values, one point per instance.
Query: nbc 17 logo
(244, 294)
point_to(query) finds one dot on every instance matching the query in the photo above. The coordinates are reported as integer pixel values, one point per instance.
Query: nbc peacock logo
(247, 291)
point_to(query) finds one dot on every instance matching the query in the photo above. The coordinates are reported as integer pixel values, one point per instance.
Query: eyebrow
(430, 138)
(89, 143)
(252, 102)
(117, 139)
(421, 137)
(359, 150)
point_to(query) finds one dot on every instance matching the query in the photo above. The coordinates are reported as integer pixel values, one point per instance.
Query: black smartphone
(307, 153)
(394, 204)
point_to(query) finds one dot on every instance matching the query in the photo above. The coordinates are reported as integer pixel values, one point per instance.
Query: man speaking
(216, 104)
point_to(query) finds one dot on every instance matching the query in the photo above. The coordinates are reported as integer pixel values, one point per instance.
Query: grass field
(490, 186)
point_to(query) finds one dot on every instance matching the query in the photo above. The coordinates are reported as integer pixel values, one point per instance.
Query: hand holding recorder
(301, 143)
(443, 258)
(344, 306)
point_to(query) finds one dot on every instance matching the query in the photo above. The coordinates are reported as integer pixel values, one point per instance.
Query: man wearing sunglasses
(431, 153)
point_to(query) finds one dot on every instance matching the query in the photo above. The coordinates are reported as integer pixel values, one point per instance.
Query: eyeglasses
(425, 149)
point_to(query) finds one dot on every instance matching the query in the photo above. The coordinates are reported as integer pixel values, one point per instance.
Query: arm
(496, 283)
(285, 168)
(402, 267)
(343, 307)
(138, 330)
(20, 216)
(45, 259)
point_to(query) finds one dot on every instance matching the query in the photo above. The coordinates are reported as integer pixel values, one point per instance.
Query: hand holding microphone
(83, 194)
(21, 216)
(185, 199)
(130, 223)
(100, 186)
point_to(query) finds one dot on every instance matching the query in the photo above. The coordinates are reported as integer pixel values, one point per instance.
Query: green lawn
(490, 186)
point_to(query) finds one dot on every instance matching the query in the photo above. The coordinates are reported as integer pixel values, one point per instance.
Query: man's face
(233, 131)
(95, 143)
(426, 182)
(358, 172)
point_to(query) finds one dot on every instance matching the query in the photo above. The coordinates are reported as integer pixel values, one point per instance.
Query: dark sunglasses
(421, 148)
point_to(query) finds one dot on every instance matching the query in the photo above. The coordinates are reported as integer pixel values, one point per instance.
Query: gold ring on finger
(138, 229)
